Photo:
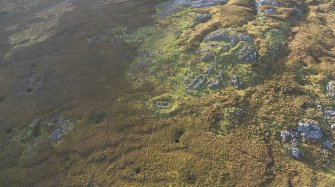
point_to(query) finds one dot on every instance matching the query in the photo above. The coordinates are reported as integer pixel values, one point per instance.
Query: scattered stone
(270, 11)
(285, 135)
(294, 140)
(319, 105)
(309, 130)
(205, 3)
(328, 115)
(175, 5)
(234, 81)
(332, 127)
(147, 54)
(298, 10)
(306, 130)
(200, 83)
(208, 70)
(261, 3)
(58, 134)
(247, 53)
(143, 65)
(330, 112)
(63, 127)
(227, 36)
(192, 83)
(219, 35)
(312, 135)
(328, 144)
(206, 54)
(330, 88)
(214, 85)
(93, 40)
(220, 75)
(243, 37)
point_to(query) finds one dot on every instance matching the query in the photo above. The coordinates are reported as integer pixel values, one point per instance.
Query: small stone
(285, 135)
(295, 152)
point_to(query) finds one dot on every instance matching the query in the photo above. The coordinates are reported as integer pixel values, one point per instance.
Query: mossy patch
(40, 31)
(274, 41)
(97, 117)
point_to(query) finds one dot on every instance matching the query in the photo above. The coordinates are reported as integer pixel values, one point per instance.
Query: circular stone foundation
(164, 105)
